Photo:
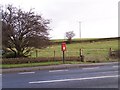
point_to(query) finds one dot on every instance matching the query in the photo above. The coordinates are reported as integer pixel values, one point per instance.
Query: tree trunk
(70, 40)
(19, 51)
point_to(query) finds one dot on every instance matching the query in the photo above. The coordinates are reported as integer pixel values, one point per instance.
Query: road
(105, 76)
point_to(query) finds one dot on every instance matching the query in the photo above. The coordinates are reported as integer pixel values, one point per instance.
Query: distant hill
(82, 40)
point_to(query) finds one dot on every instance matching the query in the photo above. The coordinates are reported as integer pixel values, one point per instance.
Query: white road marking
(115, 71)
(57, 70)
(90, 68)
(109, 72)
(26, 73)
(115, 66)
(75, 79)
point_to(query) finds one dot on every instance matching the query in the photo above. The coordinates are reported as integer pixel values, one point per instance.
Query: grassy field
(89, 48)
(93, 51)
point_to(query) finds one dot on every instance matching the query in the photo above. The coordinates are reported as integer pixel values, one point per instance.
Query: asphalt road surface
(85, 77)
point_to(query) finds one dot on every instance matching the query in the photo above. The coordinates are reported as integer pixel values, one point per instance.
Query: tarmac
(54, 67)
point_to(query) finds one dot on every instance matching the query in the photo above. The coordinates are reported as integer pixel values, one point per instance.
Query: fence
(82, 55)
(89, 55)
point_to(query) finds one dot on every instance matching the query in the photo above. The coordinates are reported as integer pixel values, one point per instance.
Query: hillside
(78, 40)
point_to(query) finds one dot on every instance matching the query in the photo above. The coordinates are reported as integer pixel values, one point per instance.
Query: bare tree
(23, 30)
(70, 35)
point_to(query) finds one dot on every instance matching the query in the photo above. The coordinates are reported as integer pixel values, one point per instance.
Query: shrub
(9, 55)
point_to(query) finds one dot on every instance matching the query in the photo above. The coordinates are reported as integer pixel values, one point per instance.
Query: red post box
(63, 46)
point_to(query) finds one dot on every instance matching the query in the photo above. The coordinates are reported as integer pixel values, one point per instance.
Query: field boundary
(95, 55)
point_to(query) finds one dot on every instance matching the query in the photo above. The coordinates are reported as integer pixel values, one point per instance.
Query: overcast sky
(99, 18)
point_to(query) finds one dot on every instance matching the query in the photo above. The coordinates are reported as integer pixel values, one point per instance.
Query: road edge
(54, 67)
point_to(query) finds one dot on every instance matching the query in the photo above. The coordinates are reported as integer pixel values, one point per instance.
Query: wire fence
(56, 57)
(89, 55)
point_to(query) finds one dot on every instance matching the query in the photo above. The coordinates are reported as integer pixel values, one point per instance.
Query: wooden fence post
(54, 56)
(110, 52)
(81, 55)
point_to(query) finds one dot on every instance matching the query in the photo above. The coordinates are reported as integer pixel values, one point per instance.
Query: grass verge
(6, 66)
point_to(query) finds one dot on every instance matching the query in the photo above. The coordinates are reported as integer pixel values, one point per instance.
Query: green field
(94, 52)
(90, 49)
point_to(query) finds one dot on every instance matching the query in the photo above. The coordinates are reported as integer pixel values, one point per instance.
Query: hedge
(35, 60)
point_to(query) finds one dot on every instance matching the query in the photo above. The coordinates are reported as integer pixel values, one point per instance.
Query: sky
(99, 18)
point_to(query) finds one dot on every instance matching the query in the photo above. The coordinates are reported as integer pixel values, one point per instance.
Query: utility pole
(64, 36)
(80, 28)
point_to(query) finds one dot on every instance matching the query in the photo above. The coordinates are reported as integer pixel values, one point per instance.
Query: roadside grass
(25, 65)
(5, 66)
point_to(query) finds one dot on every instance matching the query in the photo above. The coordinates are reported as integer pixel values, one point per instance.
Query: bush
(9, 55)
